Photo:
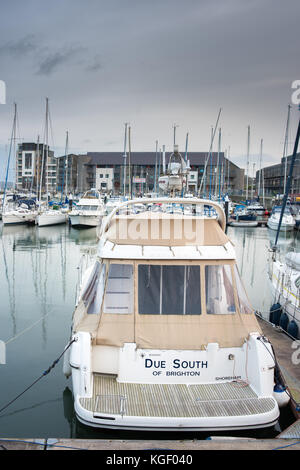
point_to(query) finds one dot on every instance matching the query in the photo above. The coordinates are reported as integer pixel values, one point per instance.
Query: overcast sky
(152, 63)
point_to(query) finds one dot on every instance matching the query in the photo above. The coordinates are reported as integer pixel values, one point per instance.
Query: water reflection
(84, 236)
(252, 247)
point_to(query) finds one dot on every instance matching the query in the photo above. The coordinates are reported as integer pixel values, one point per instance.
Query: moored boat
(51, 217)
(164, 337)
(288, 222)
(89, 211)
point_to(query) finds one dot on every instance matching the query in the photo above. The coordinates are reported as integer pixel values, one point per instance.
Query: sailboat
(163, 334)
(47, 216)
(284, 274)
(12, 211)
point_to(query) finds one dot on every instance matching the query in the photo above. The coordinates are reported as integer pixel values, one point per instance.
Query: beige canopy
(161, 229)
(188, 332)
(175, 331)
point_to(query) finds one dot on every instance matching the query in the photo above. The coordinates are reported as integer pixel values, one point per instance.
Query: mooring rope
(46, 372)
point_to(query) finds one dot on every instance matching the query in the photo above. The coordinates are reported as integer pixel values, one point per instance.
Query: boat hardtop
(90, 200)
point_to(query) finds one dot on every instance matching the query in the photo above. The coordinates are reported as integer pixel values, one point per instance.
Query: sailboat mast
(37, 164)
(252, 187)
(289, 181)
(260, 160)
(125, 160)
(206, 162)
(164, 159)
(210, 172)
(67, 161)
(129, 161)
(248, 151)
(155, 172)
(217, 174)
(13, 138)
(285, 147)
(65, 170)
(47, 149)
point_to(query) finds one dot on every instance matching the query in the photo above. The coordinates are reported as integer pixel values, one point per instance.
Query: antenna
(174, 127)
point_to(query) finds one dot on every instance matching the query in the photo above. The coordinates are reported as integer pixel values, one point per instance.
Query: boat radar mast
(175, 177)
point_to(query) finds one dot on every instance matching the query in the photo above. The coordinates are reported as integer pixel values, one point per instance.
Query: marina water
(38, 280)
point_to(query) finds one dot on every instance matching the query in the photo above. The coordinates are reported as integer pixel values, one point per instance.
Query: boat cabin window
(86, 208)
(96, 294)
(242, 296)
(297, 282)
(89, 291)
(118, 296)
(219, 290)
(169, 290)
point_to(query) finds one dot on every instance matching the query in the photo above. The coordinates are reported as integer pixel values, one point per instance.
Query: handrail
(162, 200)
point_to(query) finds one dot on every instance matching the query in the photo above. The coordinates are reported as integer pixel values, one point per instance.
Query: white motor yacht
(89, 211)
(163, 334)
(288, 221)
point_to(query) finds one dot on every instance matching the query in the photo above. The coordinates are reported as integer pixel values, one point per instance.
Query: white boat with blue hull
(164, 335)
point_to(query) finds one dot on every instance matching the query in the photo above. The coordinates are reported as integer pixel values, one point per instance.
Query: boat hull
(18, 218)
(47, 219)
(85, 221)
(284, 227)
(289, 300)
(244, 223)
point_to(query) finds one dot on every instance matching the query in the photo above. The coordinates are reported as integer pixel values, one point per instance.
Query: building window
(28, 161)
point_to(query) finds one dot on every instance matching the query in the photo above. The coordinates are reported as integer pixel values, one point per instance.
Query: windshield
(169, 290)
(219, 290)
(175, 290)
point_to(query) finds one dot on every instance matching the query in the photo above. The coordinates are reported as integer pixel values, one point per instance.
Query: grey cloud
(54, 60)
(95, 65)
(19, 48)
